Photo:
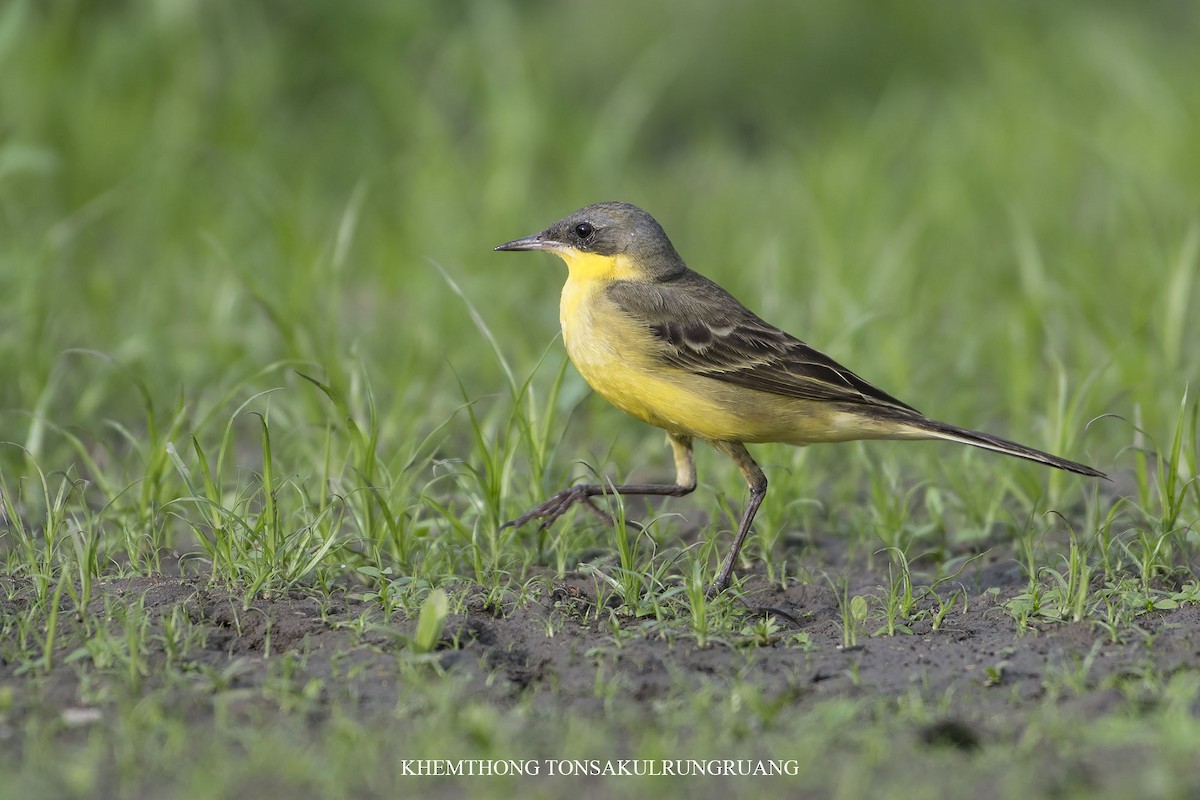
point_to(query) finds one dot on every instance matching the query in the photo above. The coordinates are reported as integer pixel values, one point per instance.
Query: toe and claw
(561, 503)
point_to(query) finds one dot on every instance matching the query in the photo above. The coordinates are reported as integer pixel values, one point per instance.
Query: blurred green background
(966, 203)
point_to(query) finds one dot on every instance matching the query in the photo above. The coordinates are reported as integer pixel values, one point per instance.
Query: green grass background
(989, 210)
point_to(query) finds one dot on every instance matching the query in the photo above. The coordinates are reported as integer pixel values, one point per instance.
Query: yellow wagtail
(672, 348)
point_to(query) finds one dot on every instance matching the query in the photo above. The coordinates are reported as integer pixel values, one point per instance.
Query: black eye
(584, 230)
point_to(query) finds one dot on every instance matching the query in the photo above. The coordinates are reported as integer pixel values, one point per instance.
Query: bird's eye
(584, 230)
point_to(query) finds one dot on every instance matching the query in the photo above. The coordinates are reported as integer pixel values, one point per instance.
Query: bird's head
(607, 232)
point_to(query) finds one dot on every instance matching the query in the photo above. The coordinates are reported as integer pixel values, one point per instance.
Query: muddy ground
(978, 656)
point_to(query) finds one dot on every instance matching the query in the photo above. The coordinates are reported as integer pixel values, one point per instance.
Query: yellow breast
(598, 339)
(617, 357)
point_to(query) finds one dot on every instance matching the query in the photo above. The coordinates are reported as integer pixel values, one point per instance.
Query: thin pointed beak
(537, 241)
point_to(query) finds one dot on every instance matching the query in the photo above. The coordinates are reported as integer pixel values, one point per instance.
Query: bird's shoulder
(703, 329)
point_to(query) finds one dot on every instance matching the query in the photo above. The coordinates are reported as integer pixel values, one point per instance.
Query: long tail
(953, 433)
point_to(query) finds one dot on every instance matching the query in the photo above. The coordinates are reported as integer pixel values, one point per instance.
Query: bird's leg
(559, 504)
(758, 490)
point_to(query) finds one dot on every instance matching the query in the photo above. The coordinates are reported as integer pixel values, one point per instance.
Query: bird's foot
(720, 583)
(561, 503)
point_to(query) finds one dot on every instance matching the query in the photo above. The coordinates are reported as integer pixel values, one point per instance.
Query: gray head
(608, 229)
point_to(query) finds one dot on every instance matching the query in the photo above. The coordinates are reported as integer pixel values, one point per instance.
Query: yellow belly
(617, 359)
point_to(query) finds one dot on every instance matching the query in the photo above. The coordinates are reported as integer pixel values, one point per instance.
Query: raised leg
(758, 490)
(559, 504)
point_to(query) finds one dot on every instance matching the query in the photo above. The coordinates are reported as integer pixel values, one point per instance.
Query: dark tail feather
(944, 430)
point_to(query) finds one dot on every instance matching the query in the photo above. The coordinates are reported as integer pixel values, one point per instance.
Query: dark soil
(977, 654)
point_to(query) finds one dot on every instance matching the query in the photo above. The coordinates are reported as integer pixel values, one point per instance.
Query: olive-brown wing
(705, 330)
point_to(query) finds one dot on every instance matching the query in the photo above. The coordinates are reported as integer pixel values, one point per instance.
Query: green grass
(251, 329)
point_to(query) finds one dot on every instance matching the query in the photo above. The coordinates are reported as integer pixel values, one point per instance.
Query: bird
(673, 349)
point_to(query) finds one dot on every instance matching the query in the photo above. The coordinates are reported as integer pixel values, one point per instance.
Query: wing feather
(704, 330)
